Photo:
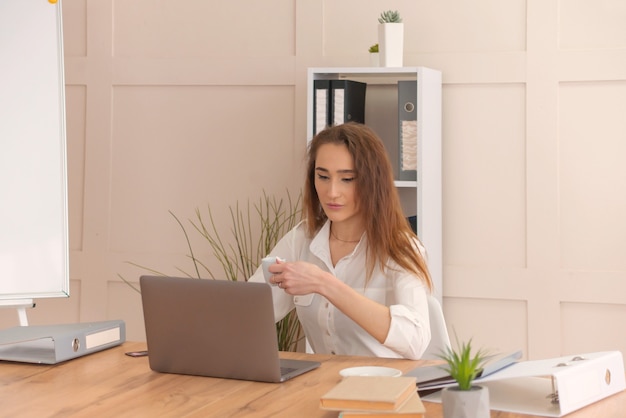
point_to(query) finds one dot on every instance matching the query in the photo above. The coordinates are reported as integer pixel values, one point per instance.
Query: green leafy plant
(462, 364)
(373, 49)
(390, 16)
(240, 256)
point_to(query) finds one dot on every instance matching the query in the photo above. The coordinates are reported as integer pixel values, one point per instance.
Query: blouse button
(296, 299)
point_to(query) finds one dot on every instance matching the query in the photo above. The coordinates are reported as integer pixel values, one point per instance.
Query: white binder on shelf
(51, 344)
(554, 387)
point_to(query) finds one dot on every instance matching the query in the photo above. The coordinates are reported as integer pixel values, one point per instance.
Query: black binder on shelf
(412, 222)
(321, 105)
(407, 130)
(348, 101)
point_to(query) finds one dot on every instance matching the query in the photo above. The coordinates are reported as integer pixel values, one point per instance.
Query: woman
(354, 269)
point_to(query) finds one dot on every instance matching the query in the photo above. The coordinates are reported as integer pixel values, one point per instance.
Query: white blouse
(327, 329)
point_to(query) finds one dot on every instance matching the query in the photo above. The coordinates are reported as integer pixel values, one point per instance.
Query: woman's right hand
(298, 277)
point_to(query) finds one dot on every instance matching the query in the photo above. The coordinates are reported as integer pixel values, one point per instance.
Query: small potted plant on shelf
(373, 50)
(390, 16)
(466, 400)
(391, 38)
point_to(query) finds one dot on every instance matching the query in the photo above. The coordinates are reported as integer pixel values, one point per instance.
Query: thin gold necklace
(342, 240)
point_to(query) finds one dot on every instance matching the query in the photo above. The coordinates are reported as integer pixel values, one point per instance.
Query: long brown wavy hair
(389, 235)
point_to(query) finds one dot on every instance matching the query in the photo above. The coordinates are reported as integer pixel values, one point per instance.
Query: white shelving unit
(422, 197)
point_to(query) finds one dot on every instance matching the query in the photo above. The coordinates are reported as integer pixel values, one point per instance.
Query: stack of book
(374, 396)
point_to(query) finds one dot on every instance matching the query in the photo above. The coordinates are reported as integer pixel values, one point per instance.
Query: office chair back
(439, 339)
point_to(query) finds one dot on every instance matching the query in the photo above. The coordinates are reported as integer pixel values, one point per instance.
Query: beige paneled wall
(484, 150)
(591, 150)
(177, 105)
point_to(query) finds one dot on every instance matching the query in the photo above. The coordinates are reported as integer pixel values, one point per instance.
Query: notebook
(214, 328)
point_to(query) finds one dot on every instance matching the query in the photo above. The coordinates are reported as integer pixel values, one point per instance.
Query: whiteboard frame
(40, 266)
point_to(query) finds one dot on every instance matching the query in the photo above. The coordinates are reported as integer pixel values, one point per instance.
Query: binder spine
(348, 101)
(583, 380)
(82, 342)
(321, 105)
(339, 106)
(407, 130)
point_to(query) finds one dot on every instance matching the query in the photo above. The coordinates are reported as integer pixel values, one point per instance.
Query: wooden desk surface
(110, 383)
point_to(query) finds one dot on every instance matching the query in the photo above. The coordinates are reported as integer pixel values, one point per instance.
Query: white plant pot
(473, 403)
(374, 59)
(391, 44)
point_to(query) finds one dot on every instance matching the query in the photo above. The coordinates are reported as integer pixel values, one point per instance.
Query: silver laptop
(215, 328)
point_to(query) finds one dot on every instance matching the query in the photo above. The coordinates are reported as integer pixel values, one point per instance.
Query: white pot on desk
(473, 403)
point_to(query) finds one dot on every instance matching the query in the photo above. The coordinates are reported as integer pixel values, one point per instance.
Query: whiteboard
(34, 260)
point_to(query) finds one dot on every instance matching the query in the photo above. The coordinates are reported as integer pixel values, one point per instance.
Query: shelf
(376, 75)
(369, 71)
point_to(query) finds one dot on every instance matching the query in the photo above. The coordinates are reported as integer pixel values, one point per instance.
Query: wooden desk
(109, 383)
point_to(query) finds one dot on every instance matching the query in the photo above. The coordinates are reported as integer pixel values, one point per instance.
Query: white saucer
(370, 371)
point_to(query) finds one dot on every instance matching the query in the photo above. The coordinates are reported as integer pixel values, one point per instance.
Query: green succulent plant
(373, 48)
(462, 364)
(390, 16)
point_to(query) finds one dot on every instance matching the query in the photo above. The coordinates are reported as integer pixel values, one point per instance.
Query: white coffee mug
(266, 263)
